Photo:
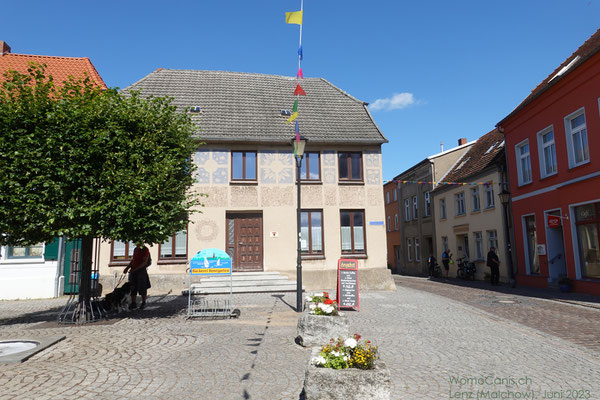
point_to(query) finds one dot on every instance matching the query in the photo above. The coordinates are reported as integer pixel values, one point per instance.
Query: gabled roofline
(554, 80)
(451, 150)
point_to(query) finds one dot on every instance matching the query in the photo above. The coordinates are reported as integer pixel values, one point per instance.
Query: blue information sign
(211, 262)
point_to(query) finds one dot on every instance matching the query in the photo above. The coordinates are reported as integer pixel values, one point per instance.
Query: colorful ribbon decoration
(444, 183)
(295, 17)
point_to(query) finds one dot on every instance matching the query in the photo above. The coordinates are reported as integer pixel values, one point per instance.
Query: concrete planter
(347, 384)
(317, 330)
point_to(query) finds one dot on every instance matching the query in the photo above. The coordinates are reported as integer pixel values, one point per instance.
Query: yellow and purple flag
(293, 17)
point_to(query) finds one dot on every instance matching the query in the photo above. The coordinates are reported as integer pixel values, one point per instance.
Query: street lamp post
(505, 200)
(299, 143)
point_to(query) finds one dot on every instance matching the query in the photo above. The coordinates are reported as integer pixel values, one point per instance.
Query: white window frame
(6, 259)
(492, 240)
(395, 222)
(489, 196)
(409, 249)
(443, 214)
(417, 250)
(387, 197)
(478, 238)
(542, 151)
(444, 243)
(415, 204)
(395, 194)
(407, 209)
(427, 204)
(475, 199)
(459, 203)
(520, 157)
(570, 150)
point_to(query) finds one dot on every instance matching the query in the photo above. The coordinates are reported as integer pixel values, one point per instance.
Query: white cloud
(398, 101)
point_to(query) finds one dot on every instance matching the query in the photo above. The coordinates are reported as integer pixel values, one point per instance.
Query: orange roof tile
(59, 67)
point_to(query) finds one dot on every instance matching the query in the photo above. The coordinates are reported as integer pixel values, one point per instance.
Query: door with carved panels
(244, 241)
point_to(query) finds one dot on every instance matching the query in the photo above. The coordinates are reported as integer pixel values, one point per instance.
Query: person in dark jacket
(494, 263)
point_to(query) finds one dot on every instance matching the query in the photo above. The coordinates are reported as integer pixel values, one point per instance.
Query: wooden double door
(245, 241)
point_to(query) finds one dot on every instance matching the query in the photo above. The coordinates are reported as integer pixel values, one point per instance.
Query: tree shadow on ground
(163, 306)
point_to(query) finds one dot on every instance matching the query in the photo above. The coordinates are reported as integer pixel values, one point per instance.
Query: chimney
(462, 141)
(4, 47)
(442, 146)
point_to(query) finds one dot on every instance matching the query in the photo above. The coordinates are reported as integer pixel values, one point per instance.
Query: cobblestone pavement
(434, 347)
(548, 311)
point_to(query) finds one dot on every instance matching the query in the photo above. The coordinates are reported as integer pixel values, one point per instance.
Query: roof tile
(247, 107)
(59, 67)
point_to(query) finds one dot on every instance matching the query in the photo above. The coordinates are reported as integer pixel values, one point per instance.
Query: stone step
(235, 277)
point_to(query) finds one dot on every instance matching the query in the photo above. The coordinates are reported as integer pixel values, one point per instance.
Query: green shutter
(51, 250)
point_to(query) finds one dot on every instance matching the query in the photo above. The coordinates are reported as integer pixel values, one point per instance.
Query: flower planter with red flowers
(320, 321)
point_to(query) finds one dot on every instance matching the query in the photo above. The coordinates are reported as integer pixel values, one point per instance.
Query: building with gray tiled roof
(242, 107)
(246, 168)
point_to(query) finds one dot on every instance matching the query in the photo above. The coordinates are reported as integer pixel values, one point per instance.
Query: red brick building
(392, 224)
(553, 155)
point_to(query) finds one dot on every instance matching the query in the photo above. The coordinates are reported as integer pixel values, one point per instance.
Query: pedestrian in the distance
(138, 275)
(494, 263)
(446, 258)
(431, 261)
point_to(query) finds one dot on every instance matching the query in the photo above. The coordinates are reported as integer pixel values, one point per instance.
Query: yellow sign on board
(210, 271)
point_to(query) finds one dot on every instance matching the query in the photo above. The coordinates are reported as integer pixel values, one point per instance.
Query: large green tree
(83, 162)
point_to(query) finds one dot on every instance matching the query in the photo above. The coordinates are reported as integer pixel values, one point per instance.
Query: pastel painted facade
(553, 155)
(247, 171)
(469, 219)
(417, 230)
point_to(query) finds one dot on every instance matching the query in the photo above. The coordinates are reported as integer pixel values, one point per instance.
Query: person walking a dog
(138, 274)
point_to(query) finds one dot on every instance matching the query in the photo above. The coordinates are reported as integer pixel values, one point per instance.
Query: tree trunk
(85, 286)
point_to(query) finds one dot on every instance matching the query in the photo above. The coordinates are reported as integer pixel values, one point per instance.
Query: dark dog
(119, 299)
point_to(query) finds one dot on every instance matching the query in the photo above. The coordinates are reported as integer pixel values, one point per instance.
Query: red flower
(357, 337)
(329, 301)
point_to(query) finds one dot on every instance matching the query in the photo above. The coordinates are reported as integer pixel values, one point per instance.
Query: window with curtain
(531, 242)
(547, 152)
(587, 222)
(122, 251)
(25, 251)
(478, 245)
(577, 140)
(427, 204)
(174, 248)
(311, 232)
(523, 163)
(489, 196)
(353, 231)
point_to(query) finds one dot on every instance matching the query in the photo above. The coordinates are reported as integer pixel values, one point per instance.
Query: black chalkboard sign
(347, 284)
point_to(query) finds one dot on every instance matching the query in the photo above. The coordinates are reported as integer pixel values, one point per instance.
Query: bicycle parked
(465, 269)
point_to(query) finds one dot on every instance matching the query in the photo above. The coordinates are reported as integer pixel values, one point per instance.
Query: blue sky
(433, 71)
